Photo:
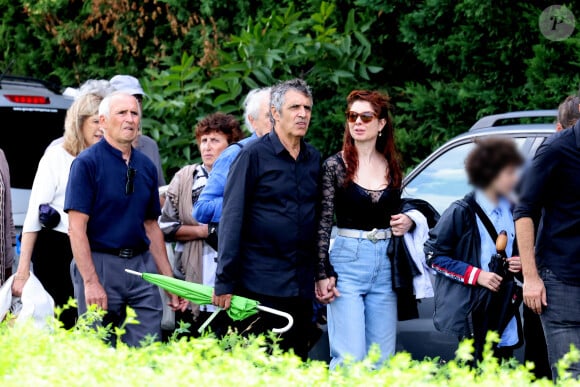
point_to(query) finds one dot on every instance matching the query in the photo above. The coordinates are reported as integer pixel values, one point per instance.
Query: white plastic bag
(35, 303)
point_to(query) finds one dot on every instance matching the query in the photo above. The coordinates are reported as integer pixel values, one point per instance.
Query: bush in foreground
(29, 357)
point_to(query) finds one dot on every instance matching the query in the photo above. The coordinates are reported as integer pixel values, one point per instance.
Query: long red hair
(385, 144)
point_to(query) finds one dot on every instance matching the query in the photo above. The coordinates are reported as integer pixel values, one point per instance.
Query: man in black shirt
(268, 225)
(551, 189)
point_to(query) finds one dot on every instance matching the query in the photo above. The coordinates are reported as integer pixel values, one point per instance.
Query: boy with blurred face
(460, 249)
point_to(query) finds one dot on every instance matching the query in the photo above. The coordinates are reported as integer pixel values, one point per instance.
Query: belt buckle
(372, 235)
(126, 253)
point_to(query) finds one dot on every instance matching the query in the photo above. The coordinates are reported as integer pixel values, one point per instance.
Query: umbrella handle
(277, 312)
(209, 320)
(138, 274)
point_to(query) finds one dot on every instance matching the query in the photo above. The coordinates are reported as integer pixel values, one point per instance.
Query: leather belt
(374, 235)
(123, 253)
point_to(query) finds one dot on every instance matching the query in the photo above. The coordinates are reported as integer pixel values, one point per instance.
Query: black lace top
(355, 208)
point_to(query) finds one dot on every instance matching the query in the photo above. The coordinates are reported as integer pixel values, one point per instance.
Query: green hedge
(29, 357)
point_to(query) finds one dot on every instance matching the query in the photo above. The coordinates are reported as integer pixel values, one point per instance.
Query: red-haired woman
(361, 185)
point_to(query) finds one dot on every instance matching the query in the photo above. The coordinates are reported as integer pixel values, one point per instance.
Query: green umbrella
(240, 309)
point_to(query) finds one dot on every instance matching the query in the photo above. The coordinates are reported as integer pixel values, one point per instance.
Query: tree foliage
(445, 63)
(278, 46)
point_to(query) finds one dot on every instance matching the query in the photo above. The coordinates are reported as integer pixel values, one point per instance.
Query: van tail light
(28, 99)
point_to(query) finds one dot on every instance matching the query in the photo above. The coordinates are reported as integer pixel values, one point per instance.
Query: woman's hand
(400, 224)
(18, 283)
(515, 264)
(326, 290)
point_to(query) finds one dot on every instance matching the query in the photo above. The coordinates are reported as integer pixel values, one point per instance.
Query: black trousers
(298, 338)
(536, 350)
(51, 258)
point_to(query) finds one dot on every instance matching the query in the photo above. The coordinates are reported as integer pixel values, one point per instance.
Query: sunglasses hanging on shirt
(130, 185)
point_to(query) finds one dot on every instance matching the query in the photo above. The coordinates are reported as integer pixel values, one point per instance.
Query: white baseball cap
(127, 84)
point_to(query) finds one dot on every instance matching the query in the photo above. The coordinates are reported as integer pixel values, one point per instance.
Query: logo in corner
(557, 23)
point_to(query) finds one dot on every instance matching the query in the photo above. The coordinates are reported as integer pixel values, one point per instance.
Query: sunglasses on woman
(365, 117)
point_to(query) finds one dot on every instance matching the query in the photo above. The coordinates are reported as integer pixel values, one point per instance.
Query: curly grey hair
(278, 93)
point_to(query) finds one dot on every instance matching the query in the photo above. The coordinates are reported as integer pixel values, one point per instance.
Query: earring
(380, 133)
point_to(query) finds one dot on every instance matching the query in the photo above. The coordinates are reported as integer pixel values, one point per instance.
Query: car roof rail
(493, 120)
(33, 82)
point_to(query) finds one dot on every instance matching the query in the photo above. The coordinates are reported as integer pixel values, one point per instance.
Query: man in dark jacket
(551, 189)
(268, 227)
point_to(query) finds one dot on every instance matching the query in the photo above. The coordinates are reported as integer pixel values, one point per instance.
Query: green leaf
(343, 74)
(363, 73)
(234, 67)
(222, 99)
(219, 84)
(362, 39)
(349, 25)
(261, 77)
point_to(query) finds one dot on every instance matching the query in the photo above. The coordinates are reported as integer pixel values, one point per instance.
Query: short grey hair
(253, 103)
(105, 105)
(278, 93)
(99, 87)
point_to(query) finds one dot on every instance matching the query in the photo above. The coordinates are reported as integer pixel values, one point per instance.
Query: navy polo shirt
(96, 187)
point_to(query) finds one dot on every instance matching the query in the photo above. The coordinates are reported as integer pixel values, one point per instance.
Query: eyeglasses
(365, 117)
(130, 185)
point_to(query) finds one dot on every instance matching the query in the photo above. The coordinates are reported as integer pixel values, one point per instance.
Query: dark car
(33, 112)
(440, 179)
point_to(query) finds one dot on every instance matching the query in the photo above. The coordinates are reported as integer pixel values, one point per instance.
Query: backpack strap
(470, 199)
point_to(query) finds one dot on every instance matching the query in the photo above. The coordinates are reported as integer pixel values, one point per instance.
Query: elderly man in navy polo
(113, 206)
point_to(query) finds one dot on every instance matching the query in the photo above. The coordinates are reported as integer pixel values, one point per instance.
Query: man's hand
(489, 280)
(326, 290)
(515, 264)
(400, 224)
(535, 293)
(18, 283)
(224, 301)
(95, 294)
(177, 303)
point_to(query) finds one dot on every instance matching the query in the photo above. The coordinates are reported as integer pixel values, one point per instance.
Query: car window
(24, 148)
(444, 180)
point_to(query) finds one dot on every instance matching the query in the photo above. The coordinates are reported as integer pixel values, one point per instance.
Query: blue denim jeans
(561, 319)
(366, 312)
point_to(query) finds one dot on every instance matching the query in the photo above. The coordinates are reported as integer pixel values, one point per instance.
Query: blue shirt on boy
(502, 219)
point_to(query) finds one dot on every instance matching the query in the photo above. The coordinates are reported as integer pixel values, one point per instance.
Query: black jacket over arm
(403, 267)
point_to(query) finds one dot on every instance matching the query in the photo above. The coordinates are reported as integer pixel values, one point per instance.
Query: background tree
(445, 63)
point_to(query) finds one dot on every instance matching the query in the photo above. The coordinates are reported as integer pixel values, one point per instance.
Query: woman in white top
(46, 245)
